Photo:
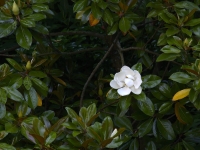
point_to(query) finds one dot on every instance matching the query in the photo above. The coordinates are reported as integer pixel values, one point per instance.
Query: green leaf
(7, 28)
(175, 40)
(14, 64)
(140, 97)
(165, 90)
(102, 4)
(113, 29)
(172, 30)
(123, 122)
(186, 31)
(124, 24)
(2, 110)
(13, 94)
(162, 40)
(146, 107)
(38, 74)
(91, 112)
(187, 5)
(51, 138)
(96, 11)
(26, 22)
(5, 18)
(11, 128)
(27, 83)
(3, 134)
(158, 95)
(108, 17)
(181, 77)
(151, 146)
(107, 127)
(112, 94)
(165, 128)
(196, 30)
(39, 86)
(15, 81)
(134, 145)
(5, 146)
(137, 67)
(83, 114)
(36, 17)
(93, 134)
(72, 114)
(39, 7)
(193, 95)
(165, 107)
(24, 37)
(150, 81)
(145, 127)
(167, 57)
(3, 97)
(80, 5)
(22, 110)
(170, 49)
(27, 11)
(193, 22)
(187, 145)
(40, 29)
(125, 102)
(31, 97)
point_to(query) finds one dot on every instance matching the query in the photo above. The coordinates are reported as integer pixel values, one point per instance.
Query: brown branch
(95, 69)
(4, 55)
(87, 33)
(76, 52)
(139, 48)
(119, 49)
(9, 49)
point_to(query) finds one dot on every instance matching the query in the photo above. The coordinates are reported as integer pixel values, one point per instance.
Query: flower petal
(138, 80)
(120, 76)
(124, 91)
(129, 82)
(114, 84)
(125, 68)
(113, 133)
(136, 91)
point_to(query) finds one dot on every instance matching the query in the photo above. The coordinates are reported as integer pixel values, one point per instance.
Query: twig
(165, 69)
(9, 49)
(139, 48)
(119, 49)
(95, 69)
(101, 36)
(76, 52)
(108, 105)
(4, 55)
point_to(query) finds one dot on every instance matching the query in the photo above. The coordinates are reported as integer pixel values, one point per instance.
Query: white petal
(129, 82)
(124, 68)
(138, 80)
(130, 76)
(124, 91)
(120, 76)
(113, 133)
(114, 84)
(136, 91)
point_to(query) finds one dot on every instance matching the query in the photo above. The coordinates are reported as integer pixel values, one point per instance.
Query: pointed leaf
(181, 94)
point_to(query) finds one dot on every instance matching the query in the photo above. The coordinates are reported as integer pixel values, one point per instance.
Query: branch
(139, 48)
(51, 44)
(119, 49)
(9, 49)
(87, 33)
(95, 69)
(4, 55)
(76, 52)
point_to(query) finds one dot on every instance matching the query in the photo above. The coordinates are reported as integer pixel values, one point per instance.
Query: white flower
(113, 133)
(127, 81)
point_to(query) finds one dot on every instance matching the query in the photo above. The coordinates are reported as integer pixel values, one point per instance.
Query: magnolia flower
(127, 81)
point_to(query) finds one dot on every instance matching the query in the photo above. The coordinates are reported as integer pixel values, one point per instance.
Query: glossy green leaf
(27, 11)
(125, 102)
(146, 107)
(15, 81)
(3, 97)
(24, 37)
(11, 128)
(112, 94)
(140, 97)
(14, 64)
(137, 67)
(170, 49)
(36, 17)
(5, 146)
(7, 28)
(167, 57)
(193, 95)
(31, 97)
(186, 31)
(52, 136)
(13, 94)
(172, 30)
(22, 110)
(26, 22)
(41, 1)
(187, 5)
(175, 40)
(2, 110)
(38, 74)
(151, 146)
(39, 86)
(40, 29)
(150, 81)
(158, 95)
(181, 77)
(3, 134)
(193, 22)
(134, 145)
(102, 4)
(124, 24)
(165, 107)
(27, 83)
(113, 29)
(96, 11)
(162, 39)
(123, 122)
(108, 17)
(165, 128)
(107, 127)
(145, 127)
(91, 112)
(187, 145)
(165, 90)
(39, 7)
(196, 30)
(72, 114)
(80, 5)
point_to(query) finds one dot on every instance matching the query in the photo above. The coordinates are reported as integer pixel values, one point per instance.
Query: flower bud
(28, 65)
(15, 9)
